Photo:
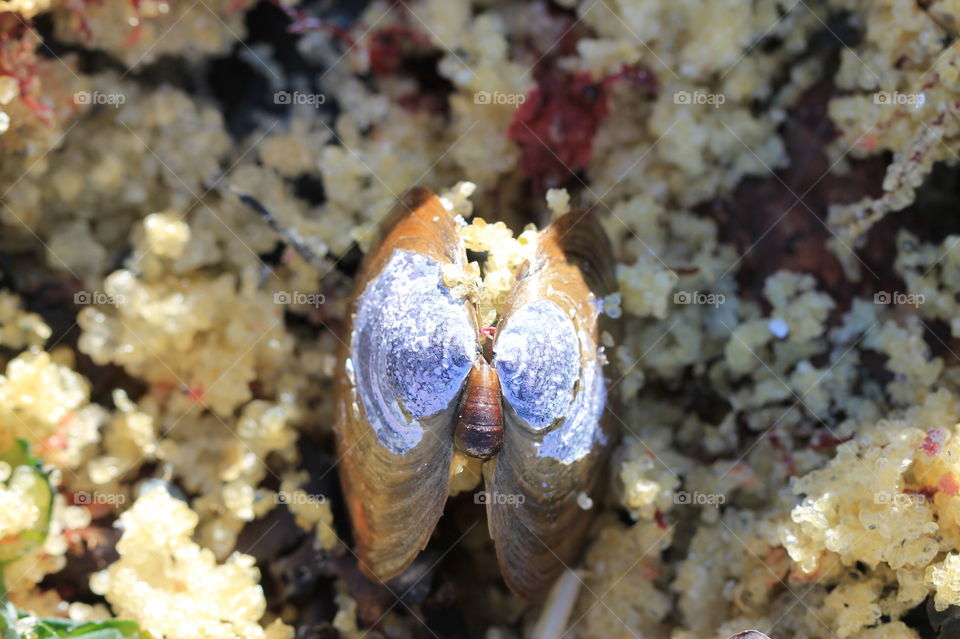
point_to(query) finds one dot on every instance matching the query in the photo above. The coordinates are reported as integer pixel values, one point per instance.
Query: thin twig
(290, 235)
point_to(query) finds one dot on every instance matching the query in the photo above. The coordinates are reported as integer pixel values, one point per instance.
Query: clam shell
(556, 437)
(413, 380)
(409, 351)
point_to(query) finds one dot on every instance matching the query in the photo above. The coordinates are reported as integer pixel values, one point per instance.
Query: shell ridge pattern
(537, 357)
(411, 348)
(576, 436)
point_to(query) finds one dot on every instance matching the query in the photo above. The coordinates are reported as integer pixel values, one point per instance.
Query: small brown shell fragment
(479, 430)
